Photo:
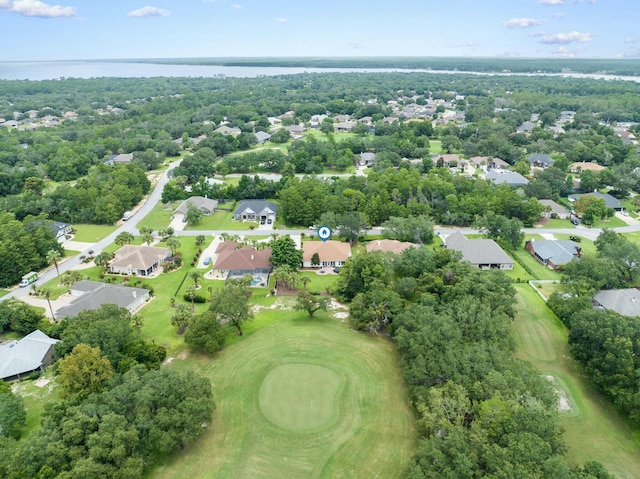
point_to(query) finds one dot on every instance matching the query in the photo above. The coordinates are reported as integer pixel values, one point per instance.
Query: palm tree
(191, 294)
(173, 245)
(102, 259)
(181, 317)
(305, 281)
(195, 276)
(47, 296)
(147, 238)
(52, 257)
(70, 277)
(123, 238)
(200, 239)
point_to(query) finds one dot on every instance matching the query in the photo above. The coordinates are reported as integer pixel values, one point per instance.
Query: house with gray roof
(256, 210)
(262, 137)
(367, 158)
(553, 208)
(609, 200)
(623, 301)
(91, 295)
(540, 160)
(483, 253)
(20, 358)
(553, 253)
(206, 205)
(226, 130)
(506, 177)
(138, 260)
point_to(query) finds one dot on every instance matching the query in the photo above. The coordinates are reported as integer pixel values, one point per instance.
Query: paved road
(130, 226)
(155, 196)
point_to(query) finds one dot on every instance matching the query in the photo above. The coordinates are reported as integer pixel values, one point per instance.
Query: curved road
(155, 196)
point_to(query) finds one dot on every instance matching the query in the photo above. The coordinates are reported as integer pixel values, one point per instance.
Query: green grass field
(301, 398)
(540, 271)
(92, 233)
(593, 429)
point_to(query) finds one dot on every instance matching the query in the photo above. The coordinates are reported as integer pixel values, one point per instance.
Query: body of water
(96, 69)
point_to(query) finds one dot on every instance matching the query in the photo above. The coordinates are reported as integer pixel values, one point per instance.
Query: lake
(95, 69)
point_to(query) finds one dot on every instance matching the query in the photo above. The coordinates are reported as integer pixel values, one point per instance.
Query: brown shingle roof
(139, 257)
(330, 250)
(388, 245)
(245, 258)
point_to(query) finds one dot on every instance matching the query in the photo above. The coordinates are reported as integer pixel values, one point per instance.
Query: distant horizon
(121, 29)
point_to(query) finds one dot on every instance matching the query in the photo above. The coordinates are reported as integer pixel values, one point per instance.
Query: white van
(126, 215)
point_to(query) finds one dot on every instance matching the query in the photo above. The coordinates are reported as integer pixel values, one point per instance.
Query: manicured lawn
(3, 292)
(92, 233)
(628, 205)
(593, 429)
(221, 220)
(35, 398)
(435, 147)
(320, 282)
(518, 273)
(539, 270)
(588, 247)
(301, 398)
(556, 223)
(160, 216)
(549, 288)
(612, 222)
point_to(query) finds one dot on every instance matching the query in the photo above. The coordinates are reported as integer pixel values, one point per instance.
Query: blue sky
(94, 29)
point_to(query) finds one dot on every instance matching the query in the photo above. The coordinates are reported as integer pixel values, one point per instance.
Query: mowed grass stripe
(593, 429)
(372, 433)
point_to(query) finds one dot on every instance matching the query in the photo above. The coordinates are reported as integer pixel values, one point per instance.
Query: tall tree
(311, 303)
(205, 333)
(285, 252)
(123, 238)
(231, 303)
(85, 371)
(52, 258)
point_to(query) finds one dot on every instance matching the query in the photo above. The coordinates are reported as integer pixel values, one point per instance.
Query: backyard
(593, 429)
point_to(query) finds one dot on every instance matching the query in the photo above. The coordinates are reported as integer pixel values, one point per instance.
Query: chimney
(251, 257)
(134, 293)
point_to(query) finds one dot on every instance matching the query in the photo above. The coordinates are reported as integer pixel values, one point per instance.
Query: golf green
(306, 396)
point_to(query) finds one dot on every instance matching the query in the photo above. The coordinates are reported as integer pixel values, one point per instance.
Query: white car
(313, 227)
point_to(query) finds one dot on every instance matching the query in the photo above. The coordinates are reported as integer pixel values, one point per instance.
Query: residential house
(506, 177)
(343, 126)
(226, 130)
(388, 246)
(330, 253)
(236, 262)
(256, 210)
(609, 200)
(447, 160)
(540, 160)
(553, 253)
(61, 230)
(138, 260)
(498, 164)
(553, 209)
(297, 131)
(262, 137)
(91, 295)
(122, 158)
(34, 352)
(206, 205)
(623, 301)
(483, 253)
(526, 127)
(367, 159)
(580, 166)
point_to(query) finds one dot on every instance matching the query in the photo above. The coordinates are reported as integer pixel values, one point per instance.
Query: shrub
(199, 299)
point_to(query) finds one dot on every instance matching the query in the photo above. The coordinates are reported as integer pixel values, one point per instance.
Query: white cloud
(281, 20)
(632, 54)
(565, 38)
(550, 3)
(237, 6)
(632, 40)
(149, 12)
(521, 22)
(35, 8)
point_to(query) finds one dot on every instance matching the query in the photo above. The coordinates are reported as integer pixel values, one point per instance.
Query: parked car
(313, 227)
(336, 270)
(206, 261)
(574, 221)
